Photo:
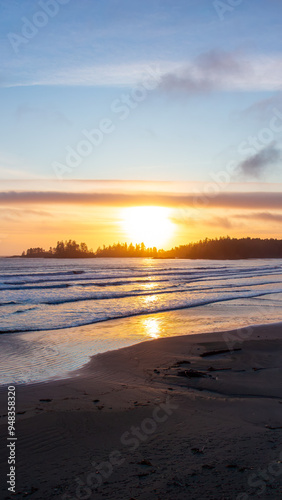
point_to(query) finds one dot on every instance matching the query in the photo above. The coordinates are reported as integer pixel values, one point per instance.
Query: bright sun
(150, 225)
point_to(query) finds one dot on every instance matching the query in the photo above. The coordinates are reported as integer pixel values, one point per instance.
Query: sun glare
(149, 225)
(152, 327)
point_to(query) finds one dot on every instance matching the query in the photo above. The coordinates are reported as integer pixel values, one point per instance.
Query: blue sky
(64, 79)
(187, 92)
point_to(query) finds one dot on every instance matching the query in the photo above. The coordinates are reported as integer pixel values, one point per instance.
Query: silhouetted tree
(218, 248)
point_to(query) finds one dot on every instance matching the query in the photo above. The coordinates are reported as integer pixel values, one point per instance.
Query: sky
(108, 104)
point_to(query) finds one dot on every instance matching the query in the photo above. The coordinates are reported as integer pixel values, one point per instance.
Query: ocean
(56, 313)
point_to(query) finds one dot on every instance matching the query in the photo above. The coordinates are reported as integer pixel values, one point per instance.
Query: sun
(149, 225)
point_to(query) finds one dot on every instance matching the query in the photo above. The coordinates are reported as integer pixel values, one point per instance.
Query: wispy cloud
(264, 216)
(263, 108)
(211, 71)
(14, 173)
(205, 73)
(202, 220)
(15, 214)
(255, 165)
(219, 70)
(247, 200)
(108, 75)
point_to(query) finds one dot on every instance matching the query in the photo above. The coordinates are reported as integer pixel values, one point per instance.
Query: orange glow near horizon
(150, 225)
(42, 225)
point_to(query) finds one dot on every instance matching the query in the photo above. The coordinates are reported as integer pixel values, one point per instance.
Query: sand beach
(196, 416)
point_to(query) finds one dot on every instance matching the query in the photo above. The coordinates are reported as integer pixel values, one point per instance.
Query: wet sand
(189, 417)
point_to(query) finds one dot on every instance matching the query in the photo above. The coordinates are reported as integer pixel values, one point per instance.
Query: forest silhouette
(216, 249)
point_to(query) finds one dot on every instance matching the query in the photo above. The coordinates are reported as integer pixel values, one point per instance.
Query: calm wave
(38, 295)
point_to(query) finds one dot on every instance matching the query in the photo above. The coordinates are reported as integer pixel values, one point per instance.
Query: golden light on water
(149, 285)
(152, 327)
(149, 225)
(149, 299)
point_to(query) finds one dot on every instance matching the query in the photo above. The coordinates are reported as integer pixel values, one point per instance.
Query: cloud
(264, 216)
(93, 75)
(18, 213)
(194, 221)
(220, 222)
(247, 200)
(255, 165)
(264, 108)
(215, 70)
(220, 70)
(205, 73)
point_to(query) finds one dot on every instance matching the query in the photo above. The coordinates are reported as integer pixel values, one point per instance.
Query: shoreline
(230, 337)
(223, 424)
(55, 354)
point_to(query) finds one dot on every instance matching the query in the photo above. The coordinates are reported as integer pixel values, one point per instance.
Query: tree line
(65, 249)
(228, 248)
(217, 249)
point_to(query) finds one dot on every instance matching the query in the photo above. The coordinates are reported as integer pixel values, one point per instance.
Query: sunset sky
(108, 106)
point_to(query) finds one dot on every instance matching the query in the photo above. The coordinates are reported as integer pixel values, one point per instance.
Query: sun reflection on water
(149, 285)
(150, 298)
(152, 327)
